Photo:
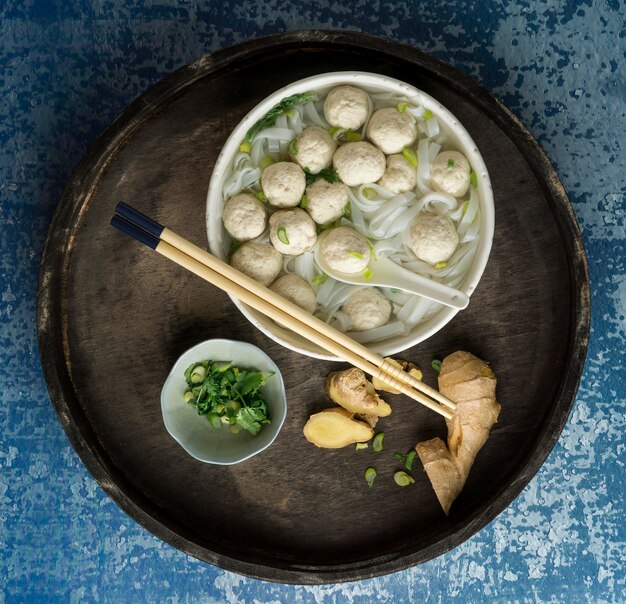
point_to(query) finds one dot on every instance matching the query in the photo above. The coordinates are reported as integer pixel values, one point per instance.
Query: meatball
(244, 217)
(359, 163)
(367, 309)
(346, 107)
(433, 238)
(400, 176)
(313, 149)
(292, 232)
(259, 261)
(296, 290)
(283, 184)
(345, 250)
(391, 130)
(326, 200)
(450, 173)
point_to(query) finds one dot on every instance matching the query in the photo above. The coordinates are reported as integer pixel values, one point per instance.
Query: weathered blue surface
(67, 68)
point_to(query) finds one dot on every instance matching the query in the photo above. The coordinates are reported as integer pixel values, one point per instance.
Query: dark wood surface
(113, 318)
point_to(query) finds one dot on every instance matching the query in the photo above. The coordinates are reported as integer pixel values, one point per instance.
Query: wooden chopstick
(269, 303)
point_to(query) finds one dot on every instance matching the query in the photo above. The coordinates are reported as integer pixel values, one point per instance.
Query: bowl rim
(275, 426)
(394, 345)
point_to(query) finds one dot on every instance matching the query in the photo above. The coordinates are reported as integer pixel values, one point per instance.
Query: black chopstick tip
(132, 230)
(137, 218)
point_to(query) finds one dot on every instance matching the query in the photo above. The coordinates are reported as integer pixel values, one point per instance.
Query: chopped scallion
(261, 197)
(336, 133)
(370, 475)
(293, 147)
(372, 250)
(245, 147)
(436, 365)
(361, 446)
(266, 161)
(367, 273)
(319, 279)
(197, 375)
(347, 211)
(450, 164)
(403, 479)
(410, 458)
(473, 179)
(353, 137)
(188, 396)
(427, 115)
(377, 443)
(441, 264)
(401, 106)
(369, 193)
(410, 156)
(304, 202)
(356, 255)
(215, 420)
(281, 233)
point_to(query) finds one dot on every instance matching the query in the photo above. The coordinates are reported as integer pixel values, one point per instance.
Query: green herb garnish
(347, 211)
(436, 365)
(401, 107)
(281, 233)
(245, 147)
(407, 459)
(234, 246)
(261, 197)
(403, 479)
(427, 115)
(473, 179)
(269, 119)
(328, 174)
(377, 443)
(228, 395)
(410, 156)
(441, 264)
(450, 164)
(367, 273)
(370, 475)
(304, 202)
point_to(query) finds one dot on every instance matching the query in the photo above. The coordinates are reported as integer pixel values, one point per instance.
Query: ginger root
(471, 384)
(351, 390)
(336, 428)
(413, 370)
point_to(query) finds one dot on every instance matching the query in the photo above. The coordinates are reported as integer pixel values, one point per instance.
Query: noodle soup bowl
(383, 91)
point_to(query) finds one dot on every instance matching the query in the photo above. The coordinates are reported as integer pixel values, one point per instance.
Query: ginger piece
(353, 392)
(336, 428)
(413, 370)
(471, 384)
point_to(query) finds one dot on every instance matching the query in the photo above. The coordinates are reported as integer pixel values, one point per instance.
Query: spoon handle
(401, 278)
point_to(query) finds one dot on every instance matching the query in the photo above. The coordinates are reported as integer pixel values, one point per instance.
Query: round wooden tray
(113, 317)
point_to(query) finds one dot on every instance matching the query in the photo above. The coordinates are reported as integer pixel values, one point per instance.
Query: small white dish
(194, 433)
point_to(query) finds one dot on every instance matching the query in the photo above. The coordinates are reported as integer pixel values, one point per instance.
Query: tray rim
(59, 243)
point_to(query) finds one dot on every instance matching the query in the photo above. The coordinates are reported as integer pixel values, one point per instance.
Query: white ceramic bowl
(194, 433)
(371, 83)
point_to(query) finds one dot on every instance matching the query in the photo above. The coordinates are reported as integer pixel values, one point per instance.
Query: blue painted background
(68, 68)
